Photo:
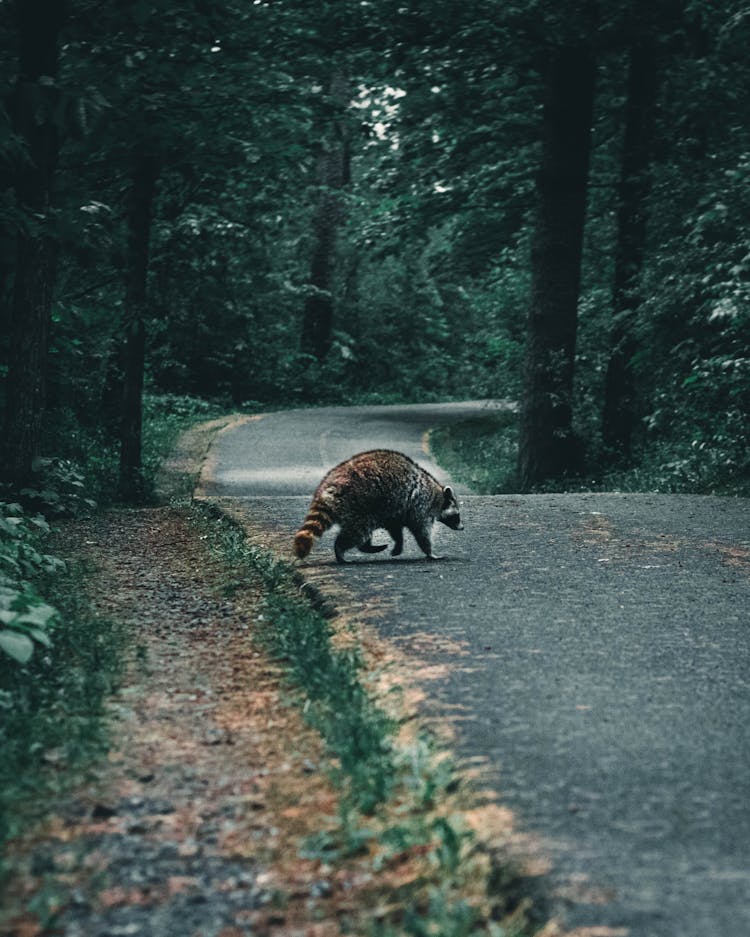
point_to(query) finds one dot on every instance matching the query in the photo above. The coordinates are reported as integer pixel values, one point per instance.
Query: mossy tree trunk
(334, 175)
(35, 115)
(620, 401)
(140, 212)
(547, 447)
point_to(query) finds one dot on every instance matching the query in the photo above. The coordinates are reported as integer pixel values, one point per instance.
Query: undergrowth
(397, 799)
(482, 452)
(58, 662)
(52, 707)
(93, 451)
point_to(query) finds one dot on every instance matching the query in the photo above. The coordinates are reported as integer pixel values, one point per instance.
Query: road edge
(515, 865)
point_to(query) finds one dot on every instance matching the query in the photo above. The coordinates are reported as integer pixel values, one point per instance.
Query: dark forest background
(285, 202)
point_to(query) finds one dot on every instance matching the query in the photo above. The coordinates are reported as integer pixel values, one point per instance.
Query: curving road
(594, 649)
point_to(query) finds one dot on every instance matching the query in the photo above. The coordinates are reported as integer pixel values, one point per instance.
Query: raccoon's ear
(448, 496)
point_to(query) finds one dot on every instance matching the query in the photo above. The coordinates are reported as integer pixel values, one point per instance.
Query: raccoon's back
(380, 481)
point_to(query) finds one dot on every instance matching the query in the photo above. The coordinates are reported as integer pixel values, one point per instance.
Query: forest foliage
(253, 204)
(291, 203)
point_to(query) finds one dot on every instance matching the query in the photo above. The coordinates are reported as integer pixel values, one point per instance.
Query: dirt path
(193, 824)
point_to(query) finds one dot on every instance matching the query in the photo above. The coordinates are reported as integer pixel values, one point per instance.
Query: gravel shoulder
(193, 824)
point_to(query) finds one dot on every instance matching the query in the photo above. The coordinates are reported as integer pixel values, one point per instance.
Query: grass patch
(58, 661)
(93, 452)
(356, 732)
(480, 452)
(52, 718)
(165, 418)
(397, 799)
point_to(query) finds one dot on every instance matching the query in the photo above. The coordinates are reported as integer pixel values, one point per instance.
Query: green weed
(53, 705)
(357, 732)
(25, 617)
(89, 454)
(480, 452)
(391, 794)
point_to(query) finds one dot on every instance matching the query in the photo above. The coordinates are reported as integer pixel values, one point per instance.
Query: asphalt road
(594, 649)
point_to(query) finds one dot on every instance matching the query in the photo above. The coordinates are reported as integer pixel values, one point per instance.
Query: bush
(26, 620)
(52, 702)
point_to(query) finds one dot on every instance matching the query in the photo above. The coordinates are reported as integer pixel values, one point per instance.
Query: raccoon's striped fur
(380, 488)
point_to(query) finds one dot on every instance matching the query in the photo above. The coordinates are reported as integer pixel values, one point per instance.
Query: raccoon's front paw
(434, 556)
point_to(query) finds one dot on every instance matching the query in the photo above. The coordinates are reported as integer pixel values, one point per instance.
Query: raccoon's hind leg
(349, 538)
(397, 532)
(423, 536)
(369, 547)
(340, 545)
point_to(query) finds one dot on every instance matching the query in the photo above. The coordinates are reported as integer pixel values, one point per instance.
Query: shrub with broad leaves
(26, 620)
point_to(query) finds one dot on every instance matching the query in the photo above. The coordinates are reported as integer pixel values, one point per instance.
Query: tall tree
(333, 174)
(620, 413)
(34, 109)
(140, 214)
(547, 446)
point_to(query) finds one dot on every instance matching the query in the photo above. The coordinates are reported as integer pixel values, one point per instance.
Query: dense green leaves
(430, 274)
(26, 620)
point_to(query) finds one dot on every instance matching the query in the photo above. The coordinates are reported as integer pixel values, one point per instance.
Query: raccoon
(380, 488)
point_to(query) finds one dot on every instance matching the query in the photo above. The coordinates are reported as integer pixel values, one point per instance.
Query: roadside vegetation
(400, 814)
(483, 453)
(401, 800)
(59, 663)
(59, 660)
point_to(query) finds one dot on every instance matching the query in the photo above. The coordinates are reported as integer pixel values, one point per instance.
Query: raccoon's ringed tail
(303, 544)
(316, 524)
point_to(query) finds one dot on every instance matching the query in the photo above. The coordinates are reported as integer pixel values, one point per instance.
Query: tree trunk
(547, 448)
(620, 409)
(32, 108)
(334, 174)
(145, 173)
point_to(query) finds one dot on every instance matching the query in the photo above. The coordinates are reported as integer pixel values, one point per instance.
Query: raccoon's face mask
(451, 514)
